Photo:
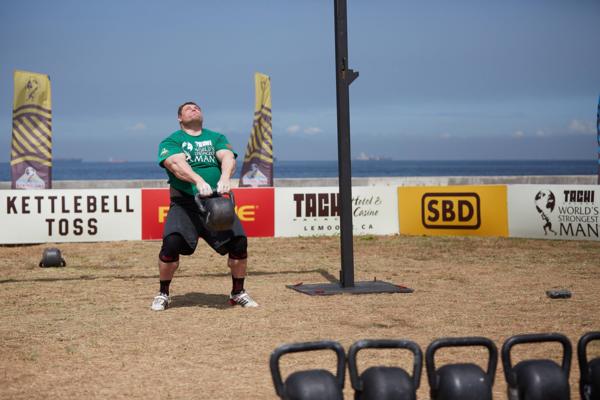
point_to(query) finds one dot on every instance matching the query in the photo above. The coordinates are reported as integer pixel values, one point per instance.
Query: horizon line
(123, 161)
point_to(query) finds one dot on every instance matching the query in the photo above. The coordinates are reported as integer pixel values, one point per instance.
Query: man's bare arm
(182, 170)
(227, 160)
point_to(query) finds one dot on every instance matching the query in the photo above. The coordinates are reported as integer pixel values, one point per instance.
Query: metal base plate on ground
(327, 289)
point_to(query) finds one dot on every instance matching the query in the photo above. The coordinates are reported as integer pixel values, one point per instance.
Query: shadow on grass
(205, 300)
(324, 273)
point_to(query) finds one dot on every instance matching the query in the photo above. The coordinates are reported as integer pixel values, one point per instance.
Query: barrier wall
(554, 211)
(310, 211)
(528, 211)
(254, 208)
(456, 210)
(39, 216)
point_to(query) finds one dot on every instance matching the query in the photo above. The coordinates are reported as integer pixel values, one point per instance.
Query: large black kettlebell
(537, 379)
(461, 381)
(385, 383)
(314, 384)
(51, 257)
(217, 211)
(589, 381)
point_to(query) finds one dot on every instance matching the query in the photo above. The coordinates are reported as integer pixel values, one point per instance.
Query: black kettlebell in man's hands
(216, 211)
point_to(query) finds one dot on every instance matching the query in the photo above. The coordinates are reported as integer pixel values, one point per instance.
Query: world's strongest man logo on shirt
(201, 151)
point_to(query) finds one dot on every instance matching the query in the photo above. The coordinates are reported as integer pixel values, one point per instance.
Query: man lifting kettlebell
(199, 164)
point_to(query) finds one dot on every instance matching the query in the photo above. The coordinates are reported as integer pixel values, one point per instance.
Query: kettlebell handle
(306, 346)
(355, 379)
(230, 193)
(461, 342)
(582, 348)
(200, 203)
(535, 338)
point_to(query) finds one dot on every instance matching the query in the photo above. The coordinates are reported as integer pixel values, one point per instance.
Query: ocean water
(83, 170)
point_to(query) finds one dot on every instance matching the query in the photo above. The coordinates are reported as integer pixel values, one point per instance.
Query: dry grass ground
(86, 331)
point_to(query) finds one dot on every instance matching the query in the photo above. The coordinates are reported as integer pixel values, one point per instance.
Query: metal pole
(598, 137)
(344, 77)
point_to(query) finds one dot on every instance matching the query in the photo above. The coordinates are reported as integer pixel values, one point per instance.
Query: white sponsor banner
(41, 216)
(310, 211)
(554, 211)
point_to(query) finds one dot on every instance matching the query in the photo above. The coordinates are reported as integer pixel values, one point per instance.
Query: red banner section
(254, 207)
(155, 205)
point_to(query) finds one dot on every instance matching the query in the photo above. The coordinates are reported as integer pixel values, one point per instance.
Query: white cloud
(139, 126)
(445, 135)
(518, 134)
(540, 133)
(293, 129)
(577, 126)
(312, 130)
(296, 129)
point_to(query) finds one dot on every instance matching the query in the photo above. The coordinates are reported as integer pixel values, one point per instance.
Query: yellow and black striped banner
(258, 161)
(31, 153)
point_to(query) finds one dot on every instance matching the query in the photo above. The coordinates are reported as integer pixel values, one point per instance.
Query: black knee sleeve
(172, 246)
(238, 248)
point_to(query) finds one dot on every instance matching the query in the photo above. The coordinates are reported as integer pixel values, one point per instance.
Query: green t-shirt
(200, 153)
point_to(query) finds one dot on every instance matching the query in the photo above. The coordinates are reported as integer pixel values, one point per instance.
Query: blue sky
(438, 80)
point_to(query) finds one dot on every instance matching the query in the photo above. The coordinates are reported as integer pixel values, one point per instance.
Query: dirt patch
(86, 331)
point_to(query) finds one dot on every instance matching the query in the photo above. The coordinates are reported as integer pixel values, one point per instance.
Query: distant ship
(367, 157)
(70, 160)
(116, 160)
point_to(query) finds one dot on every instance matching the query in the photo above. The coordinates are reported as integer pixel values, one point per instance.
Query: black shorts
(184, 218)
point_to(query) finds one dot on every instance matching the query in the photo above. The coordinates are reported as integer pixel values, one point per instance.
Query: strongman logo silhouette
(544, 204)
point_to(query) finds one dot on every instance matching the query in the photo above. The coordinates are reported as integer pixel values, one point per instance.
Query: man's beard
(194, 123)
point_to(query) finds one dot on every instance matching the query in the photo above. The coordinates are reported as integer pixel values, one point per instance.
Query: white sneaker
(243, 299)
(160, 302)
